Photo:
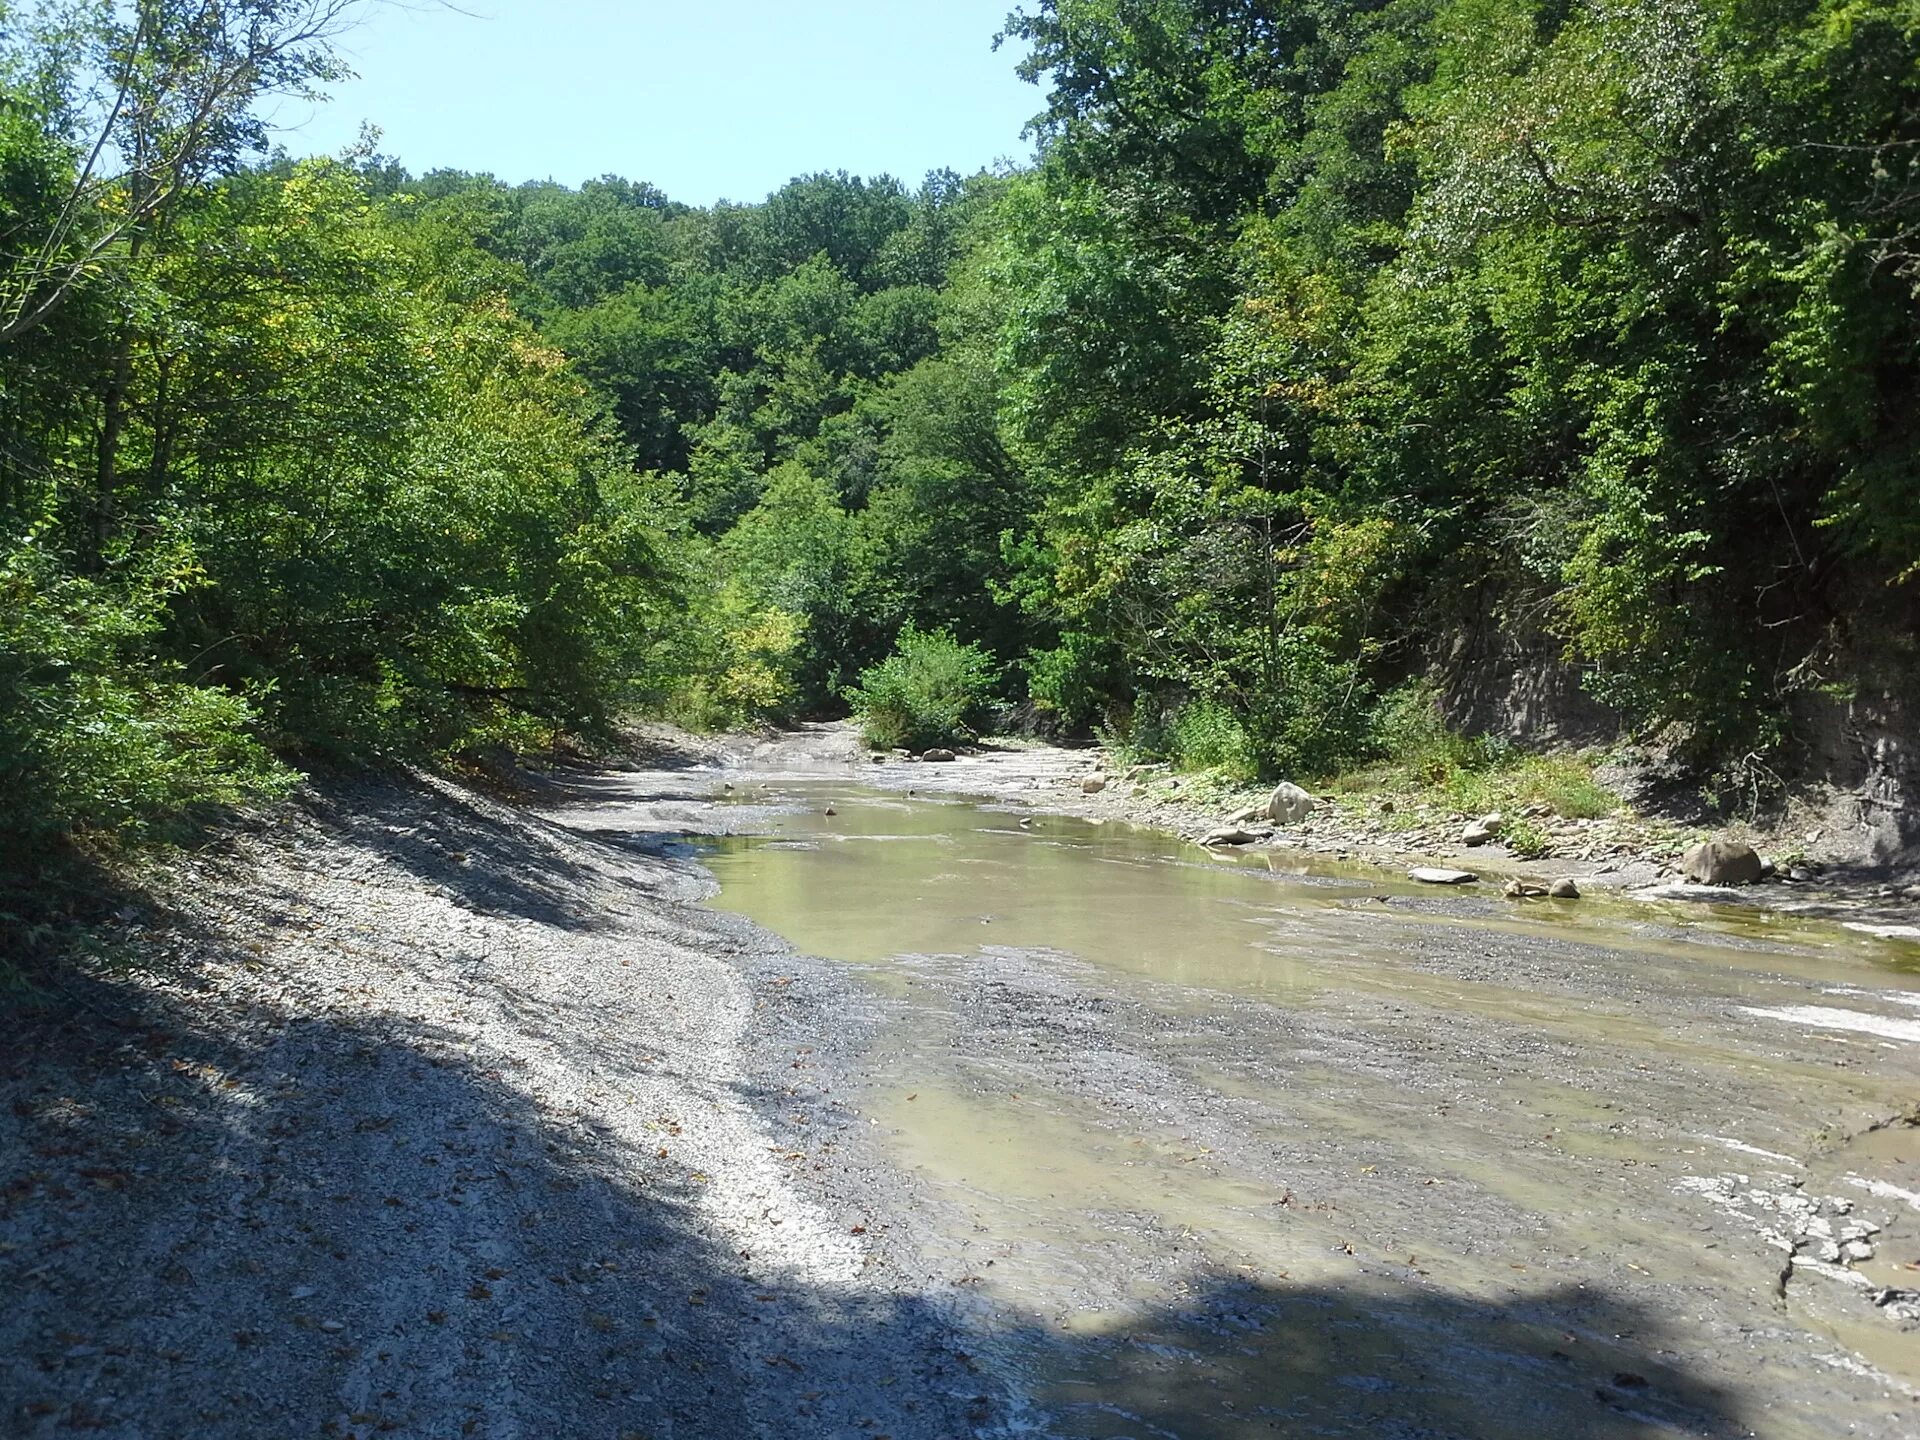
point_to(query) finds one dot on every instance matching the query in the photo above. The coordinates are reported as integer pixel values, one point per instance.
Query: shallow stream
(1225, 1149)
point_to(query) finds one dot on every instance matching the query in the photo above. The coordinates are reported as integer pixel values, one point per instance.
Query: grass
(1477, 784)
(1431, 766)
(1427, 771)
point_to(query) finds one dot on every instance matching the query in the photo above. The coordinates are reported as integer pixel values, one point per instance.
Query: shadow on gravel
(437, 833)
(321, 1224)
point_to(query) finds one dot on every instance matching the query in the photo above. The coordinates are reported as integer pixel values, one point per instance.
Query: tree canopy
(1315, 337)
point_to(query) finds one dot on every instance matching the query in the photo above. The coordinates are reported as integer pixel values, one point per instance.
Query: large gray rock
(1438, 875)
(1093, 784)
(1486, 828)
(1722, 862)
(1289, 804)
(938, 756)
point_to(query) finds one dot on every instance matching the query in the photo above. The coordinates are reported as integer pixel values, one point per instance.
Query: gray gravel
(432, 1118)
(426, 1115)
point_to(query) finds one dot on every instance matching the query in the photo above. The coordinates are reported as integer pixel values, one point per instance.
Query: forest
(1316, 336)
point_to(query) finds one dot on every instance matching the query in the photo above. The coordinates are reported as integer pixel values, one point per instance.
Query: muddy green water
(1344, 1093)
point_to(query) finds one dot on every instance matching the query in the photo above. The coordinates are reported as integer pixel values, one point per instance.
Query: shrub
(100, 738)
(1527, 840)
(1205, 735)
(1072, 678)
(929, 692)
(1475, 773)
(1408, 729)
(742, 664)
(1315, 713)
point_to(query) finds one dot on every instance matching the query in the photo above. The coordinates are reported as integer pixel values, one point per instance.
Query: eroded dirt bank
(447, 1118)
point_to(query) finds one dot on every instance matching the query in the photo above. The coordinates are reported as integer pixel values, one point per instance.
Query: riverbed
(1218, 1146)
(674, 1105)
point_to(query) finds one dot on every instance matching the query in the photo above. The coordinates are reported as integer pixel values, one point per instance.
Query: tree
(150, 101)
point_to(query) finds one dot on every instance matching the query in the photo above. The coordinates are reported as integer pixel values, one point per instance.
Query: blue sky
(706, 98)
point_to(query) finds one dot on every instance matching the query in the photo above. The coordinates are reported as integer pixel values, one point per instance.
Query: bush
(1071, 679)
(1409, 730)
(1527, 840)
(99, 738)
(744, 667)
(104, 745)
(1477, 773)
(1204, 735)
(1315, 715)
(929, 692)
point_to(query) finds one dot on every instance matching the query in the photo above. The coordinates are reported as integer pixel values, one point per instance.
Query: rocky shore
(1625, 853)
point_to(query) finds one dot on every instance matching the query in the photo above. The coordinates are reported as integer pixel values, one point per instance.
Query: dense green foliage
(1341, 328)
(932, 691)
(281, 469)
(1317, 337)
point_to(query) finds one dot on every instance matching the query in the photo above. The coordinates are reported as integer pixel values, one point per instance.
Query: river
(1210, 1147)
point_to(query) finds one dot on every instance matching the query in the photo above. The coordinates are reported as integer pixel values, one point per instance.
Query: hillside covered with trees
(1318, 337)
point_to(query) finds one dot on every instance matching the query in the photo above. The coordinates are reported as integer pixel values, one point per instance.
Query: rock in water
(1722, 862)
(1093, 784)
(1289, 804)
(1435, 875)
(1564, 890)
(1525, 890)
(940, 756)
(1228, 835)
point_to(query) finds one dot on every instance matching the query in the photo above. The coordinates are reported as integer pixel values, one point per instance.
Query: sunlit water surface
(1082, 1208)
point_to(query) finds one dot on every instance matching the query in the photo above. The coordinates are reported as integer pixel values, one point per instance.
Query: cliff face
(1853, 744)
(1867, 747)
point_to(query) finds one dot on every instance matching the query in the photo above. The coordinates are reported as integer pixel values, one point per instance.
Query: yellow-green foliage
(744, 668)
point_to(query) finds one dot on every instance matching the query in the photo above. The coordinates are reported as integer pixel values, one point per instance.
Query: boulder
(938, 756)
(1564, 889)
(1722, 862)
(1289, 804)
(1093, 784)
(1525, 890)
(1435, 875)
(1483, 829)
